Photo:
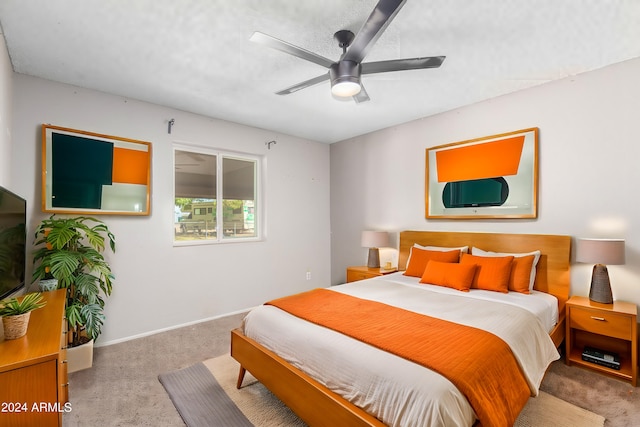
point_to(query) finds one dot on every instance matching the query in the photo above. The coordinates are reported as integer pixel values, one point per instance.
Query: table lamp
(374, 240)
(601, 252)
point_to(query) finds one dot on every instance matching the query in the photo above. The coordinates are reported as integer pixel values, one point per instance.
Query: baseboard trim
(169, 328)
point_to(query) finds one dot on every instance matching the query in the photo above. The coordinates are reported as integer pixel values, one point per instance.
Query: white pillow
(463, 249)
(536, 258)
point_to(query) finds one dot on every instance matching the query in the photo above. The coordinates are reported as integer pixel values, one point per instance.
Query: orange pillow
(492, 274)
(420, 257)
(521, 274)
(451, 275)
(532, 274)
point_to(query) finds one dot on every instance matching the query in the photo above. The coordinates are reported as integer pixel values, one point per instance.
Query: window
(216, 195)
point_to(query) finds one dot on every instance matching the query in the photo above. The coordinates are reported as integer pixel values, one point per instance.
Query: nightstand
(363, 272)
(608, 327)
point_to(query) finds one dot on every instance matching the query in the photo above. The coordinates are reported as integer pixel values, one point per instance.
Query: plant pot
(47, 285)
(15, 326)
(80, 357)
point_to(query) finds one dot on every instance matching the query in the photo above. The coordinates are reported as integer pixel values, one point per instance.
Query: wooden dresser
(33, 369)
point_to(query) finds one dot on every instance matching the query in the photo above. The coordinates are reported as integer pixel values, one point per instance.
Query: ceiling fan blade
(382, 15)
(274, 43)
(304, 84)
(361, 96)
(402, 64)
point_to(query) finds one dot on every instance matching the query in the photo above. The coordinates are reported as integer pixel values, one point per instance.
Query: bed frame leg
(240, 377)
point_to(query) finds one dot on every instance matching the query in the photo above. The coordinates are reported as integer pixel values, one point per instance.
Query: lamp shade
(375, 239)
(600, 251)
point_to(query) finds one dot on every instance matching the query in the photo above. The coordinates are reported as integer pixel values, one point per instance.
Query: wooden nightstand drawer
(601, 322)
(354, 276)
(363, 272)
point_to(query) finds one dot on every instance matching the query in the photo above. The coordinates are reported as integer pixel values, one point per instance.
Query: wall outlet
(308, 275)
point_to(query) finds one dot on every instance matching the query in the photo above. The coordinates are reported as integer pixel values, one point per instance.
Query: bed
(318, 392)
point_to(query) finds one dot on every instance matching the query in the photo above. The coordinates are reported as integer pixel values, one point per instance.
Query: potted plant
(70, 250)
(16, 313)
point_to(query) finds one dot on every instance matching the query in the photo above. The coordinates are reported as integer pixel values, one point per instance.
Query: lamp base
(374, 258)
(600, 285)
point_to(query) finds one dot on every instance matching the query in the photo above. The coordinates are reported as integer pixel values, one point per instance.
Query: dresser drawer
(602, 322)
(63, 376)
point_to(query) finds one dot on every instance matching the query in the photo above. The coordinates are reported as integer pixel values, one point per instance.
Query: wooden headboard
(553, 271)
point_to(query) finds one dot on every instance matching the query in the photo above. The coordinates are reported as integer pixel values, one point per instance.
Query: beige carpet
(257, 403)
(265, 410)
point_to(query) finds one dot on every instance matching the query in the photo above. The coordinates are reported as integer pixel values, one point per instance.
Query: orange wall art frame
(490, 177)
(90, 173)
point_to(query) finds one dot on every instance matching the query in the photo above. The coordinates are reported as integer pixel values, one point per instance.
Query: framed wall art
(90, 173)
(490, 177)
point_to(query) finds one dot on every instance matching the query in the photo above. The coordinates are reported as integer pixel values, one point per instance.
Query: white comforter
(396, 391)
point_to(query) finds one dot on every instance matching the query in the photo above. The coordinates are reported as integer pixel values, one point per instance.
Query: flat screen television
(13, 237)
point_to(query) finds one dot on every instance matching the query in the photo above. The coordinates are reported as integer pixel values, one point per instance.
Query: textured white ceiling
(195, 55)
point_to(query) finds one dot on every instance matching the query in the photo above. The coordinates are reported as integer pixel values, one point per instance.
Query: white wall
(589, 170)
(158, 285)
(6, 93)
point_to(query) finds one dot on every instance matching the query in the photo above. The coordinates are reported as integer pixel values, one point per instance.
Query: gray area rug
(205, 395)
(200, 399)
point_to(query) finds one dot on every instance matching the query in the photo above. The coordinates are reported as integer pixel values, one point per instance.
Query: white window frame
(259, 196)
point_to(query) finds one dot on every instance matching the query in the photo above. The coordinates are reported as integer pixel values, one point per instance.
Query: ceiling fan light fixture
(345, 88)
(345, 78)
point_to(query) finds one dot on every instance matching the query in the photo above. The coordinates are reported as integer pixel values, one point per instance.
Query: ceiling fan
(346, 72)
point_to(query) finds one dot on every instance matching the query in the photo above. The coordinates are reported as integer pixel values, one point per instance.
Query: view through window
(215, 196)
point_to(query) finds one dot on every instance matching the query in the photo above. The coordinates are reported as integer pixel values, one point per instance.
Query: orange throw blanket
(478, 363)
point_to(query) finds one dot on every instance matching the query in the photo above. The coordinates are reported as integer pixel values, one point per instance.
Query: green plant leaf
(75, 319)
(86, 288)
(15, 306)
(94, 319)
